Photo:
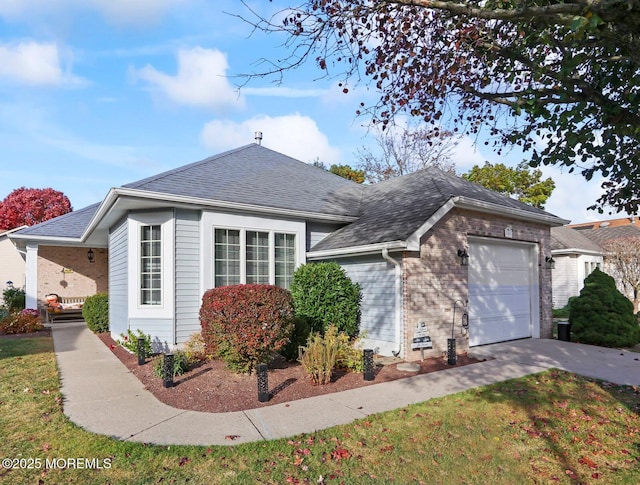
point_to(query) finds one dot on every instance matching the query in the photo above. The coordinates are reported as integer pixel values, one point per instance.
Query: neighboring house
(602, 232)
(252, 215)
(12, 263)
(575, 256)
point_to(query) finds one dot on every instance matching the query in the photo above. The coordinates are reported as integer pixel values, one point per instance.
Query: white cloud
(200, 80)
(295, 135)
(466, 154)
(34, 63)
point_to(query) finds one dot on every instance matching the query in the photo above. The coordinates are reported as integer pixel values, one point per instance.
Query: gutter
(121, 192)
(399, 300)
(357, 250)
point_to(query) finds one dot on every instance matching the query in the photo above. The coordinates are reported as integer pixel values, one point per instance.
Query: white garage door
(503, 291)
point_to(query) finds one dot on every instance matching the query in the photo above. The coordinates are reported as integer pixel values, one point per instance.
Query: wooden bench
(70, 307)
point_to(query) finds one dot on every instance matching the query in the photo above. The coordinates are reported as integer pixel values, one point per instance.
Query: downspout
(399, 302)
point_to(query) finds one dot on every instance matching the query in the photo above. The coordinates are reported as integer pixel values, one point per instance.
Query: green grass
(553, 427)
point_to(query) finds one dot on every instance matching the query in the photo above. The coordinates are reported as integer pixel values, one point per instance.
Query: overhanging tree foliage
(560, 79)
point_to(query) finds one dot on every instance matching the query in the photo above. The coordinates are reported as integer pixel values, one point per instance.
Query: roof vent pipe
(258, 137)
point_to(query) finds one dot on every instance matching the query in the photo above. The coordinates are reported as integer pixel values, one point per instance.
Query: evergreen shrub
(603, 316)
(95, 312)
(324, 295)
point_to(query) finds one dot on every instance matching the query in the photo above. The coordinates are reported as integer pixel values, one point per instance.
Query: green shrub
(324, 295)
(180, 364)
(244, 324)
(195, 350)
(14, 299)
(299, 337)
(24, 321)
(601, 315)
(95, 312)
(349, 353)
(320, 356)
(130, 342)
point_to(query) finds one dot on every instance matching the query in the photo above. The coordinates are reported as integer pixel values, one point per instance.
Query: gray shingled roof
(71, 225)
(393, 210)
(388, 211)
(255, 175)
(564, 237)
(604, 234)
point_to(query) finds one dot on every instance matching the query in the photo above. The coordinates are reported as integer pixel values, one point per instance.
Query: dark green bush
(14, 299)
(324, 295)
(244, 324)
(95, 312)
(601, 315)
(299, 337)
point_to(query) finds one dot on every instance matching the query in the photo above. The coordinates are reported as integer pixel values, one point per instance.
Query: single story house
(425, 248)
(575, 256)
(12, 263)
(602, 232)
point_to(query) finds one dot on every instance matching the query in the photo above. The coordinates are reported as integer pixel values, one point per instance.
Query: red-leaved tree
(27, 207)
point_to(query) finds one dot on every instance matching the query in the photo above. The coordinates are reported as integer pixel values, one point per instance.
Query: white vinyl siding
(118, 279)
(188, 294)
(379, 305)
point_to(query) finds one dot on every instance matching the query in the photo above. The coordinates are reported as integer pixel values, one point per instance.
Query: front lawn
(553, 427)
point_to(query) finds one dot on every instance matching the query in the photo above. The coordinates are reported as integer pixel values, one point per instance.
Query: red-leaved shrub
(25, 321)
(243, 324)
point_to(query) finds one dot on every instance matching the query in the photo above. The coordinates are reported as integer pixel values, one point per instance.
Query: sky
(95, 94)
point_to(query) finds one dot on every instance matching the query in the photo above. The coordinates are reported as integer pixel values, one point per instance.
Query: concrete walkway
(102, 396)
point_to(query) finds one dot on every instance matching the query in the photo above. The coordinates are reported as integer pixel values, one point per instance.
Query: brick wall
(434, 279)
(66, 271)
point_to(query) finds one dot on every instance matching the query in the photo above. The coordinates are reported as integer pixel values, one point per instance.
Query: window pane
(257, 254)
(227, 257)
(285, 256)
(151, 265)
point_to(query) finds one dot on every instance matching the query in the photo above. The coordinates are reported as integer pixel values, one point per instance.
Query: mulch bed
(211, 387)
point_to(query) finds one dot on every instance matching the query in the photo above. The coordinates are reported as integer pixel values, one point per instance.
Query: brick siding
(433, 279)
(81, 277)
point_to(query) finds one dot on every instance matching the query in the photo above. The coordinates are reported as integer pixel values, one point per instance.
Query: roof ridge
(188, 166)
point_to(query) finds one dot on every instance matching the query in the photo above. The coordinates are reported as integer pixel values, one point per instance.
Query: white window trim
(167, 230)
(212, 221)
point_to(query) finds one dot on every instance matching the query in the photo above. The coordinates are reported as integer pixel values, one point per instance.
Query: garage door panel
(500, 292)
(500, 300)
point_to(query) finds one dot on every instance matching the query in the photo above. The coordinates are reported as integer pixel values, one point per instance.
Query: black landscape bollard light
(367, 359)
(263, 383)
(142, 357)
(167, 370)
(452, 358)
